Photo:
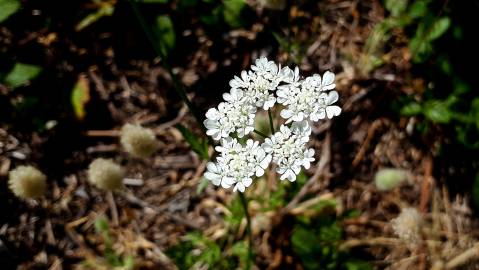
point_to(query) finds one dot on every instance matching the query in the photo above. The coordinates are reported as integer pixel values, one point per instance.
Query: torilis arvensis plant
(302, 100)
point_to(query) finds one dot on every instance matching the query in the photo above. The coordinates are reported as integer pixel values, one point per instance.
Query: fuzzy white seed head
(407, 226)
(27, 182)
(387, 179)
(138, 141)
(106, 174)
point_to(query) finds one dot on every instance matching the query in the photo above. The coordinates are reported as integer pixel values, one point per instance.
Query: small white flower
(258, 83)
(234, 115)
(288, 149)
(307, 98)
(237, 164)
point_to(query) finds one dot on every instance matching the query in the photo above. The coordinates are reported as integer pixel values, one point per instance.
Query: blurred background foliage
(44, 87)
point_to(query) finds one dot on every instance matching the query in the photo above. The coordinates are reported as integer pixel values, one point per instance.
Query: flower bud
(387, 179)
(105, 174)
(27, 182)
(407, 226)
(138, 141)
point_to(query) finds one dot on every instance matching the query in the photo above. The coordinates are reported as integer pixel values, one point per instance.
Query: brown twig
(362, 151)
(379, 241)
(463, 258)
(113, 209)
(427, 185)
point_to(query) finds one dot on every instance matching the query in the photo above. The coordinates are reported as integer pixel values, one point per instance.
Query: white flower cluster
(261, 87)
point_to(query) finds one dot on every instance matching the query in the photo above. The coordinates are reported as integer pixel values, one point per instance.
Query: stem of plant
(244, 203)
(176, 82)
(270, 115)
(260, 133)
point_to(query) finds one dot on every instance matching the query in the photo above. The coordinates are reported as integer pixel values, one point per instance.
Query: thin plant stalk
(178, 87)
(244, 203)
(260, 133)
(271, 125)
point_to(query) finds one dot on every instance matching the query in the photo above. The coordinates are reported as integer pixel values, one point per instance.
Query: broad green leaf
(8, 8)
(395, 7)
(411, 109)
(21, 74)
(80, 96)
(165, 33)
(232, 12)
(200, 146)
(439, 27)
(417, 9)
(437, 111)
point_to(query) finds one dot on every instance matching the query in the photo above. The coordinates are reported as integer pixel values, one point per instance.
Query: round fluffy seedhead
(105, 174)
(138, 141)
(407, 226)
(387, 179)
(27, 182)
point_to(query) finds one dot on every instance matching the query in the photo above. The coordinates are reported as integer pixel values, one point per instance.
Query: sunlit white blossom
(260, 82)
(307, 99)
(237, 164)
(262, 86)
(288, 149)
(231, 116)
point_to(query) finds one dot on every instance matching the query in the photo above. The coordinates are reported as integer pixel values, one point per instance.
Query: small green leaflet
(80, 96)
(165, 33)
(22, 74)
(8, 8)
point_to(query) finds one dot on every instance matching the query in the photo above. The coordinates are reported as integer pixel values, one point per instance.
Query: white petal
(328, 78)
(213, 114)
(247, 182)
(286, 114)
(332, 111)
(332, 97)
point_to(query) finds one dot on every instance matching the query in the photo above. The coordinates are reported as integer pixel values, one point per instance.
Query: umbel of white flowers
(304, 100)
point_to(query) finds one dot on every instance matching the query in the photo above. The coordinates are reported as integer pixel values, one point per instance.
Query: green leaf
(439, 27)
(106, 9)
(357, 265)
(101, 224)
(165, 33)
(396, 7)
(417, 9)
(21, 74)
(437, 111)
(202, 185)
(200, 146)
(79, 97)
(8, 8)
(411, 109)
(232, 12)
(240, 249)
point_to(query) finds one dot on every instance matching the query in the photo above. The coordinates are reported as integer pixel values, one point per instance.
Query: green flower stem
(244, 203)
(176, 82)
(271, 121)
(260, 133)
